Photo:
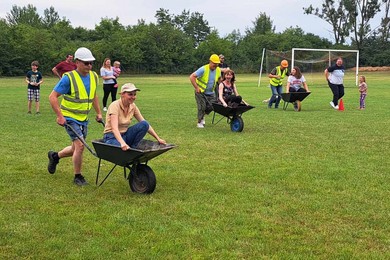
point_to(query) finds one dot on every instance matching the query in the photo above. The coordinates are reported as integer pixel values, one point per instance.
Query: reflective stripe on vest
(202, 81)
(275, 81)
(78, 104)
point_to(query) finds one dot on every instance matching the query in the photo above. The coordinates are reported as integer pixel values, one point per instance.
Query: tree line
(174, 44)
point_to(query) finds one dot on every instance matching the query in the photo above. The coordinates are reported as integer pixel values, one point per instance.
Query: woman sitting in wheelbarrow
(227, 90)
(118, 118)
(296, 82)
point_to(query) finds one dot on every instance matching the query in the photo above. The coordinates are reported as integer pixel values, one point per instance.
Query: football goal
(312, 63)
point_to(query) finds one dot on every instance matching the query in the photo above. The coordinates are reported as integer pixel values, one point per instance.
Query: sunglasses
(87, 63)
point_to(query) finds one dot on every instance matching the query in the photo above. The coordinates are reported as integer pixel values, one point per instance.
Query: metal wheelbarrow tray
(233, 115)
(292, 97)
(141, 178)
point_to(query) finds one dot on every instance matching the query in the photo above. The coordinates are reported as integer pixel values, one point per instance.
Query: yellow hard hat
(215, 59)
(284, 63)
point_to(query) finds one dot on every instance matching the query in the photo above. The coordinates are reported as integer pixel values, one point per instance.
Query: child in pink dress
(117, 71)
(363, 92)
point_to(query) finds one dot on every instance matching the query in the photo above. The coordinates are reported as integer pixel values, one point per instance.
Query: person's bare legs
(76, 151)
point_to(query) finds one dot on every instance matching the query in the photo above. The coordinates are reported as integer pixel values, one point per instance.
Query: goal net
(312, 63)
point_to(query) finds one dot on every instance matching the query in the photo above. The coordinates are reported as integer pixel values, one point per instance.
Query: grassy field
(293, 185)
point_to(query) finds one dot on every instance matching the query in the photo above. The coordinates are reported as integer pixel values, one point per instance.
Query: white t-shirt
(296, 83)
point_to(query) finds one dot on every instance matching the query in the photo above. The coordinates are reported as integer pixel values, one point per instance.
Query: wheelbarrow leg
(105, 178)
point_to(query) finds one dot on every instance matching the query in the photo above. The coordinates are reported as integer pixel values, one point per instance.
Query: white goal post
(295, 53)
(330, 58)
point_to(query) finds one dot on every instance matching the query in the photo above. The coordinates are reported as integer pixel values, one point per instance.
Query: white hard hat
(83, 54)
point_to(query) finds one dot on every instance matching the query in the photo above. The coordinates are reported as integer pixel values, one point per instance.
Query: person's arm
(220, 95)
(115, 131)
(55, 105)
(273, 74)
(27, 80)
(288, 87)
(235, 90)
(305, 86)
(193, 82)
(151, 131)
(103, 74)
(55, 71)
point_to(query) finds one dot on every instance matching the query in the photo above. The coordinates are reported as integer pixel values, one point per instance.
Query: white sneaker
(203, 122)
(200, 125)
(332, 104)
(336, 107)
(104, 109)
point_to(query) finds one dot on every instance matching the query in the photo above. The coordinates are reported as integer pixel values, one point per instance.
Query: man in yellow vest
(204, 80)
(78, 88)
(276, 83)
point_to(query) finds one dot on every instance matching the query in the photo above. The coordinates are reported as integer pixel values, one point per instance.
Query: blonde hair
(116, 63)
(104, 63)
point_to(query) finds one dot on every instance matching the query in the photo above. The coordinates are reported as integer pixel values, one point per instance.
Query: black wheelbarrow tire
(143, 181)
(237, 124)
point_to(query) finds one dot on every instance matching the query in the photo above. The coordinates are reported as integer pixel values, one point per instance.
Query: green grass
(312, 184)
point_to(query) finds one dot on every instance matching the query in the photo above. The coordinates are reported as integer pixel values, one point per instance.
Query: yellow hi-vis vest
(78, 104)
(202, 81)
(277, 82)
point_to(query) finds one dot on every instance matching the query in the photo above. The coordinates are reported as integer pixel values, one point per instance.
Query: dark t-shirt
(34, 77)
(64, 66)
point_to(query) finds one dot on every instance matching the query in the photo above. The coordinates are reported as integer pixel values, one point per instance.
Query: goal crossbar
(329, 51)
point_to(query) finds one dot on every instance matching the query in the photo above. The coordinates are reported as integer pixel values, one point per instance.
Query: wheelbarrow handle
(81, 139)
(101, 122)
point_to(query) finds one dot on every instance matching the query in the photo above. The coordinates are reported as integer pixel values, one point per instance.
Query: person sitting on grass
(227, 90)
(118, 119)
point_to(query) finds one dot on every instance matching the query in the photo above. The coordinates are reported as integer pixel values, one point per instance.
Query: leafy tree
(350, 16)
(50, 17)
(24, 15)
(262, 25)
(384, 29)
(361, 12)
(335, 16)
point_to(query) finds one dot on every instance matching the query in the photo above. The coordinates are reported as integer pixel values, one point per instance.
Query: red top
(64, 66)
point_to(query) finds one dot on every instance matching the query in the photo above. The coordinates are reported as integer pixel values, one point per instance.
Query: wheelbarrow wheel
(297, 106)
(143, 180)
(237, 124)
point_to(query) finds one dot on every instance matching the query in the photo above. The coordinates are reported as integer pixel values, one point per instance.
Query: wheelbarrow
(141, 177)
(294, 97)
(232, 114)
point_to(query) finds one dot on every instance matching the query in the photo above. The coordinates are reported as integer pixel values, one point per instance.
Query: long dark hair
(298, 73)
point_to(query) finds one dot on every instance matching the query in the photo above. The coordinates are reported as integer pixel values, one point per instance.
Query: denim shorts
(81, 130)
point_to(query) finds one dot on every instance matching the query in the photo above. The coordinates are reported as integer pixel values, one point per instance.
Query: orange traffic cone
(341, 105)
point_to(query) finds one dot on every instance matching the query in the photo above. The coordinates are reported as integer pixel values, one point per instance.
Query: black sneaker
(51, 167)
(79, 180)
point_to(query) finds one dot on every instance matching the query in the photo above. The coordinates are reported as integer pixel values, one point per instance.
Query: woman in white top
(296, 82)
(107, 74)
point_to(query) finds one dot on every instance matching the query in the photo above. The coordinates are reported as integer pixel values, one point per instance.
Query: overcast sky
(230, 15)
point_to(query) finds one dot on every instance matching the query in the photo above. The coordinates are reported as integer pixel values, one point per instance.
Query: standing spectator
(363, 92)
(223, 65)
(34, 81)
(78, 88)
(335, 77)
(276, 77)
(204, 81)
(109, 81)
(64, 66)
(117, 72)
